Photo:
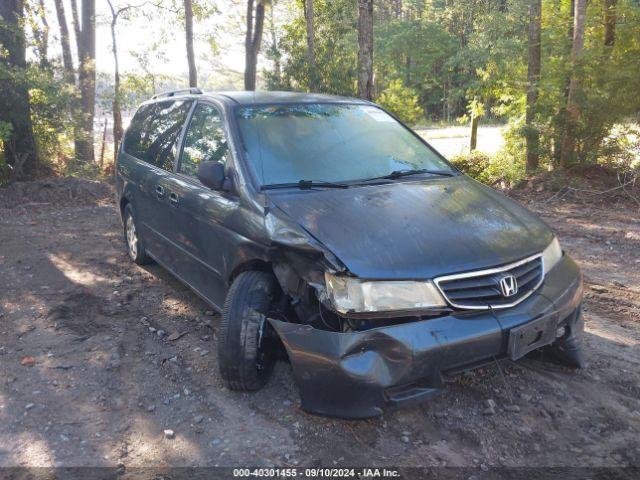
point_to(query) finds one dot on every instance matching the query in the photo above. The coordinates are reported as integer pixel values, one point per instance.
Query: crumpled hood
(417, 229)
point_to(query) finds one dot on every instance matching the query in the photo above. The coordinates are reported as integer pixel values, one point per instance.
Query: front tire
(246, 341)
(135, 243)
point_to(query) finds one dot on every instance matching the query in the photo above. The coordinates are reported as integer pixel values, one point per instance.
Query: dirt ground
(92, 374)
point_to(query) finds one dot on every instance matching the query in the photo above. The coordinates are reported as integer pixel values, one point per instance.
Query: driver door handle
(174, 199)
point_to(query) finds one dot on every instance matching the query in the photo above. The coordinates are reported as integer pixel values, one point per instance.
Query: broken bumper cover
(355, 375)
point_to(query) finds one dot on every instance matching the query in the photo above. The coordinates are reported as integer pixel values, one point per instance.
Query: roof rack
(173, 93)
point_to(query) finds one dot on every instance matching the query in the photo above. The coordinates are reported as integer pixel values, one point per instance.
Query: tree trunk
(473, 143)
(407, 70)
(253, 39)
(275, 50)
(86, 81)
(557, 141)
(67, 58)
(76, 20)
(41, 35)
(365, 49)
(610, 18)
(249, 66)
(67, 61)
(104, 142)
(533, 79)
(188, 22)
(311, 39)
(573, 109)
(20, 150)
(117, 114)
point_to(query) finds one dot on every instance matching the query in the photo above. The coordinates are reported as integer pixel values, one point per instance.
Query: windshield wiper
(305, 185)
(404, 173)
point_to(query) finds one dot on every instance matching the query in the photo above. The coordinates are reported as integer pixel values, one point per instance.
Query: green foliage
(5, 130)
(610, 84)
(335, 50)
(493, 58)
(433, 60)
(414, 50)
(475, 164)
(401, 101)
(5, 133)
(135, 88)
(504, 169)
(620, 150)
(51, 100)
(509, 162)
(475, 109)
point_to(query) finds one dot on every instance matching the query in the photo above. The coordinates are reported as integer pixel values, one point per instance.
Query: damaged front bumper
(355, 375)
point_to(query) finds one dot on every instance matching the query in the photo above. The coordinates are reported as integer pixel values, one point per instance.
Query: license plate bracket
(532, 335)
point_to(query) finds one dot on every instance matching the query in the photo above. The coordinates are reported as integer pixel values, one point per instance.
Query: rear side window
(154, 132)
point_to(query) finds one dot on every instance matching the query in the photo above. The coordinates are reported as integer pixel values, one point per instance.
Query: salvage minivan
(327, 232)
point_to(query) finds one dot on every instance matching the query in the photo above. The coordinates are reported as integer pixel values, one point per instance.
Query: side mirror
(211, 174)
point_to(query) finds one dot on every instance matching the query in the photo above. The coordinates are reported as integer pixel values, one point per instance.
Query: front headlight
(551, 255)
(354, 295)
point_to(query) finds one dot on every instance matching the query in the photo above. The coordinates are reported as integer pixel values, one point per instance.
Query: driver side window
(205, 140)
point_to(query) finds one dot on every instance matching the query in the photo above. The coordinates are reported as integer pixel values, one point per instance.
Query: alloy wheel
(132, 238)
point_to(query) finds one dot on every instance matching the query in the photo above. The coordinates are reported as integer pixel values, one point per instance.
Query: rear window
(154, 132)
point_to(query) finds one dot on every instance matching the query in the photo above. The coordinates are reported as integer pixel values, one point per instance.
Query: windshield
(330, 143)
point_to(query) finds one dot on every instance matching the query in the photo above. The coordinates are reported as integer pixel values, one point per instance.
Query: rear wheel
(135, 243)
(247, 344)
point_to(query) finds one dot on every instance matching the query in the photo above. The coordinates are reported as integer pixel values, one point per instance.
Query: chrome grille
(481, 289)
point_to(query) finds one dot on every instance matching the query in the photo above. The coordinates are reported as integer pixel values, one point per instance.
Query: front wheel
(247, 344)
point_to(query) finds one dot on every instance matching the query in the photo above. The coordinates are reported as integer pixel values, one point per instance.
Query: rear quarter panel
(128, 175)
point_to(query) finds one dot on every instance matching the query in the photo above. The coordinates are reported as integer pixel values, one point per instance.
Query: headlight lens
(354, 295)
(551, 255)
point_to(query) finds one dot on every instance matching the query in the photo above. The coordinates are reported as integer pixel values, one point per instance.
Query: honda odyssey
(323, 227)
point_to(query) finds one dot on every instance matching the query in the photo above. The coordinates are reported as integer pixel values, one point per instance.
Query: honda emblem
(508, 286)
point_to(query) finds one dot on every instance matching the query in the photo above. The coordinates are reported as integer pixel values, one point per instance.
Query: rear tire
(247, 344)
(135, 243)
